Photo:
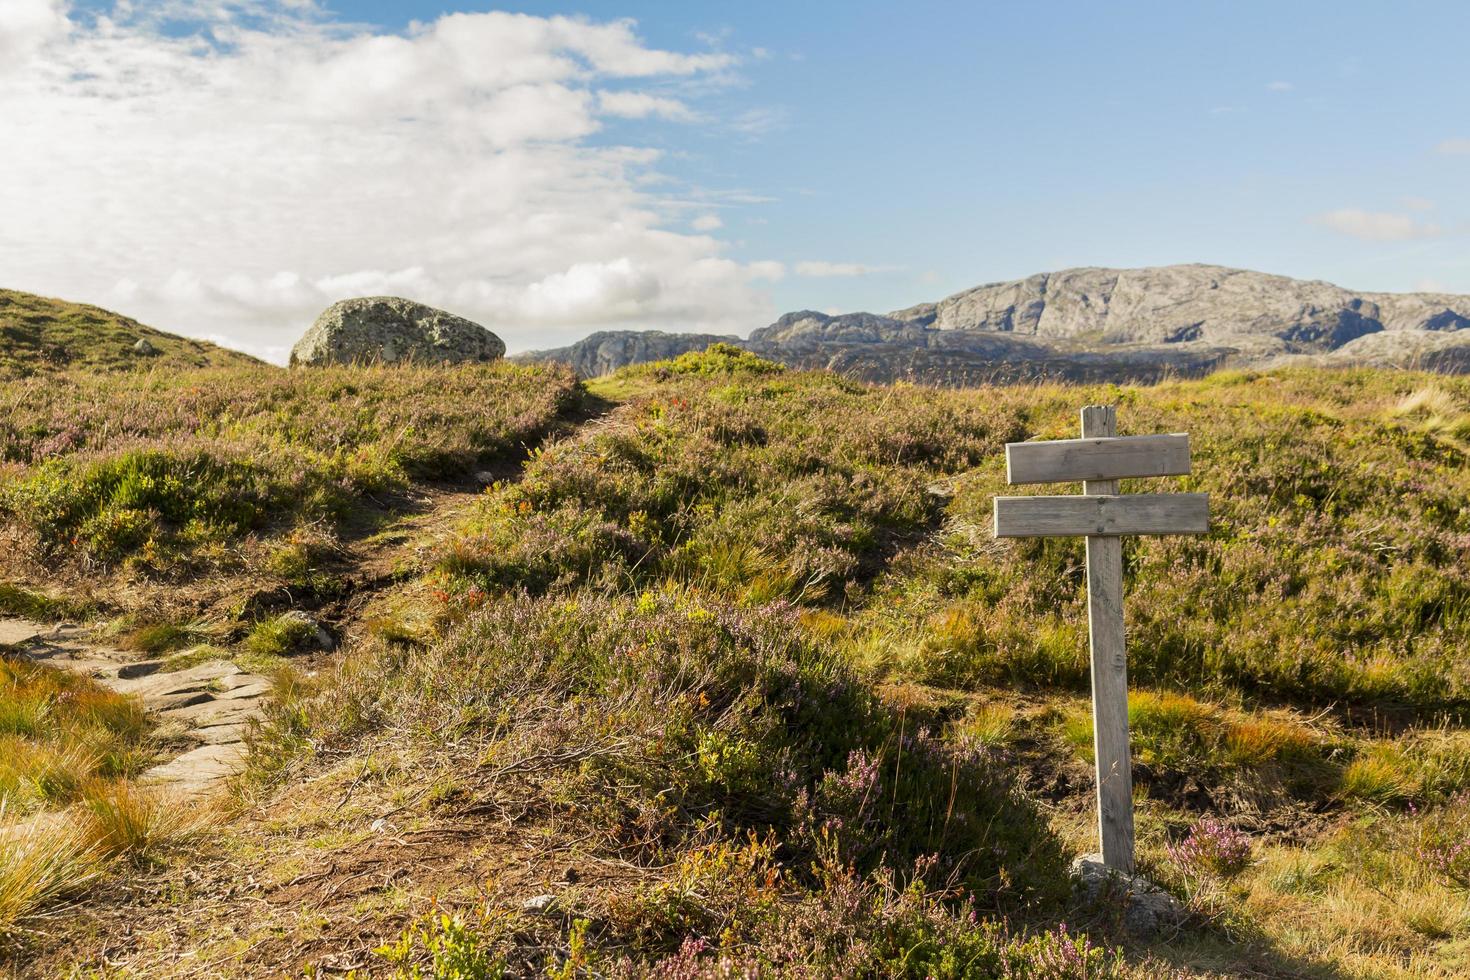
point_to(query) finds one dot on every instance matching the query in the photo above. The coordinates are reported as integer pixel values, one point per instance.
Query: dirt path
(203, 709)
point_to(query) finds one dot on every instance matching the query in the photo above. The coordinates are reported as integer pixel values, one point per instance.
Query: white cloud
(234, 178)
(818, 269)
(1377, 226)
(754, 123)
(1279, 86)
(1454, 147)
(26, 25)
(1413, 203)
(641, 105)
(707, 222)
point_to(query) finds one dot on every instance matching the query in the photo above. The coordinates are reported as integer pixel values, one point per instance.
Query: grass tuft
(121, 820)
(42, 863)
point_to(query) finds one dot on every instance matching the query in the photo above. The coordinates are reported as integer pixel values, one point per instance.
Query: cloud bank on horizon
(233, 174)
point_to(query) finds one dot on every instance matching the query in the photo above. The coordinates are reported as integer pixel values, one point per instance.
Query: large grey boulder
(391, 330)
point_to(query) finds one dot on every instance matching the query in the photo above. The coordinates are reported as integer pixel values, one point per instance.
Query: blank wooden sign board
(1100, 459)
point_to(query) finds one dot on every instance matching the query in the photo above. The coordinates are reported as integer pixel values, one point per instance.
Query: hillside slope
(724, 675)
(38, 334)
(1092, 324)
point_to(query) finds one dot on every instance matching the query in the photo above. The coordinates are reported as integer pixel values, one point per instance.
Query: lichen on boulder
(392, 330)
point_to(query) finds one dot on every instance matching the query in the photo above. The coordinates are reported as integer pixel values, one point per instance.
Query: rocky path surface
(203, 709)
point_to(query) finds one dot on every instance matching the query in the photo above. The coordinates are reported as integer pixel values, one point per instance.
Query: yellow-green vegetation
(714, 617)
(58, 732)
(41, 336)
(171, 473)
(136, 494)
(67, 749)
(744, 653)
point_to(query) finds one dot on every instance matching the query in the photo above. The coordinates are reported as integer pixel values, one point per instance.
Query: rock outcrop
(1182, 303)
(1104, 325)
(607, 350)
(390, 330)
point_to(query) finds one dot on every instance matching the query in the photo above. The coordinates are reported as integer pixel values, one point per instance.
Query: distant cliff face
(606, 351)
(1094, 324)
(1182, 303)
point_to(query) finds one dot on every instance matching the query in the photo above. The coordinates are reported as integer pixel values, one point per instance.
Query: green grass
(280, 635)
(167, 473)
(749, 640)
(41, 865)
(58, 731)
(16, 600)
(43, 336)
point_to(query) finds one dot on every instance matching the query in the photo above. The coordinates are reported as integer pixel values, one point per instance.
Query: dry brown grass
(43, 861)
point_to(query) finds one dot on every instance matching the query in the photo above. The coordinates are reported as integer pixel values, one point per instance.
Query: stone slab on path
(14, 632)
(212, 702)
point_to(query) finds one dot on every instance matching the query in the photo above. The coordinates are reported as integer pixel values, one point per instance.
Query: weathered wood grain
(1069, 460)
(1092, 514)
(1109, 666)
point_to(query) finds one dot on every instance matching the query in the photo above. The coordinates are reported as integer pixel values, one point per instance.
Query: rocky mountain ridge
(1090, 324)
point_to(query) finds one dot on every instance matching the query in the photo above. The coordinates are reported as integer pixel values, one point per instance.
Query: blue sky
(966, 142)
(842, 156)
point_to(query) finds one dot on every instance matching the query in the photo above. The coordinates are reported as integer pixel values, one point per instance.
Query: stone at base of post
(1147, 908)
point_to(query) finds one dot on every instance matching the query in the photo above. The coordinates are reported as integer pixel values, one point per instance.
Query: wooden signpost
(1100, 459)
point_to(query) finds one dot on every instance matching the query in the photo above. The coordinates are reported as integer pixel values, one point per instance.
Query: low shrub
(670, 711)
(1212, 846)
(164, 472)
(846, 926)
(740, 485)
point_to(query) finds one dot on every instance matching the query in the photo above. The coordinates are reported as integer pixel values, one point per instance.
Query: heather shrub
(1334, 570)
(163, 470)
(1173, 733)
(717, 359)
(758, 486)
(847, 925)
(672, 714)
(1441, 841)
(149, 502)
(1212, 846)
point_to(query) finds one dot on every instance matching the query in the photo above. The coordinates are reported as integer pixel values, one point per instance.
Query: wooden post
(1099, 459)
(1109, 668)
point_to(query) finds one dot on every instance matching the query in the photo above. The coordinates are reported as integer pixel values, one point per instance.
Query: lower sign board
(1134, 513)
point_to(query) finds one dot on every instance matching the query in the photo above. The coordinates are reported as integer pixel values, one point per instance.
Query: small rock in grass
(540, 903)
(1147, 907)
